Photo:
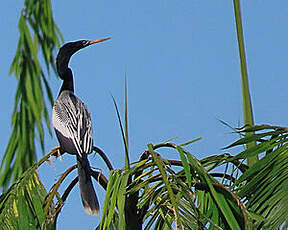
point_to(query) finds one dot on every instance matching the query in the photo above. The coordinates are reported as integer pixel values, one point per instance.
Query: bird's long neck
(67, 78)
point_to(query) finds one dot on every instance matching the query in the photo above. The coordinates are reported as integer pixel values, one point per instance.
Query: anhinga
(72, 124)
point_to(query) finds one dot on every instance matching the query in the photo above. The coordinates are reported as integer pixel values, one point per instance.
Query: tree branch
(104, 157)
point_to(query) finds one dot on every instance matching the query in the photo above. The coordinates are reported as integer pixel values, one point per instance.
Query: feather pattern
(73, 126)
(72, 122)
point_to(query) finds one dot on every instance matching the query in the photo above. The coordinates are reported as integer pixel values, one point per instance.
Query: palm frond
(21, 206)
(263, 187)
(36, 29)
(166, 194)
(114, 205)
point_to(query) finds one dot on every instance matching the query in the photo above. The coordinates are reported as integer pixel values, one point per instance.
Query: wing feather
(71, 119)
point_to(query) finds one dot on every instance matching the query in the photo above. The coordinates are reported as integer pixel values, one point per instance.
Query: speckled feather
(72, 123)
(73, 126)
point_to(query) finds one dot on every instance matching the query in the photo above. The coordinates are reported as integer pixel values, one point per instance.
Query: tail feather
(88, 195)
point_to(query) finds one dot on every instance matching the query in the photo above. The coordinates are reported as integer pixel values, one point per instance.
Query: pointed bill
(97, 41)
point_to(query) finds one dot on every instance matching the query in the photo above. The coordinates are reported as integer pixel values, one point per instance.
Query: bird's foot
(58, 151)
(56, 148)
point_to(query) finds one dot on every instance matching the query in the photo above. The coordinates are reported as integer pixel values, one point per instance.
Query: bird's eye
(85, 42)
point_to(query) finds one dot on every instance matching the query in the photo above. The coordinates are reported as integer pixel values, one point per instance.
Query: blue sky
(182, 65)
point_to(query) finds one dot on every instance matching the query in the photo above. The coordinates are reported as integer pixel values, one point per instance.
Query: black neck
(67, 78)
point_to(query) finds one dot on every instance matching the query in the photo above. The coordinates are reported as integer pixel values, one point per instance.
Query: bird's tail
(88, 195)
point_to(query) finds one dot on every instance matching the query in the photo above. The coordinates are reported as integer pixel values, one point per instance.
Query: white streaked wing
(71, 118)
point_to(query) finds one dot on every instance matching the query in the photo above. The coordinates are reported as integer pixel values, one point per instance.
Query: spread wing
(72, 122)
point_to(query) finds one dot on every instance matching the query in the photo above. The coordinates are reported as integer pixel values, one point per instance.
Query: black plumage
(72, 124)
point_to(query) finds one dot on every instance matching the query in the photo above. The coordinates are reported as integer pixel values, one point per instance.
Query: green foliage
(124, 131)
(246, 98)
(115, 197)
(217, 192)
(159, 193)
(163, 193)
(37, 30)
(263, 187)
(21, 206)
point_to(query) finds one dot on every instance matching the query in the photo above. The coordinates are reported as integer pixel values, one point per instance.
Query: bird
(72, 123)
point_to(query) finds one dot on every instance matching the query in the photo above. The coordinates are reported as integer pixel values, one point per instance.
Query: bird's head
(68, 49)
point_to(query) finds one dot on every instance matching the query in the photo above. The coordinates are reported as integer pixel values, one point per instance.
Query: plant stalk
(246, 98)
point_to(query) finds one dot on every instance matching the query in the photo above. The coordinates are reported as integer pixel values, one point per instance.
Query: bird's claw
(58, 151)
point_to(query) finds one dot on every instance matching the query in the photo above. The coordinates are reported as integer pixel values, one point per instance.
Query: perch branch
(104, 157)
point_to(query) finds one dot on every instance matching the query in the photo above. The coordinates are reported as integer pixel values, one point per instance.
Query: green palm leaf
(163, 198)
(263, 187)
(21, 206)
(37, 29)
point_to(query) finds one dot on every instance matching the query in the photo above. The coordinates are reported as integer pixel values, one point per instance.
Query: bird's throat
(67, 81)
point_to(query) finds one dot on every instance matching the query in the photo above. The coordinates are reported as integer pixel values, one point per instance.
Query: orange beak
(97, 41)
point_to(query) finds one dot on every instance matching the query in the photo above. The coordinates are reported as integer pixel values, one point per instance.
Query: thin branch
(55, 187)
(167, 144)
(65, 195)
(97, 175)
(100, 178)
(175, 162)
(69, 189)
(104, 157)
(242, 167)
(227, 176)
